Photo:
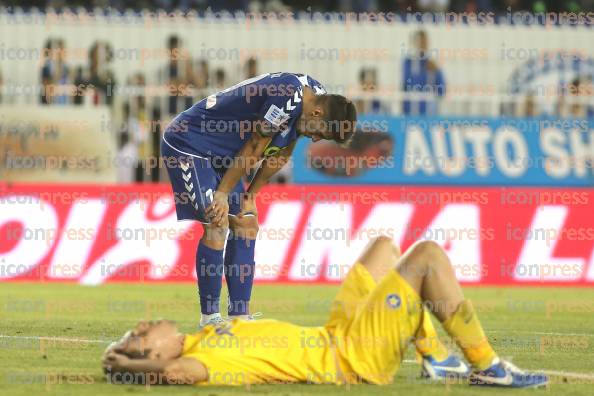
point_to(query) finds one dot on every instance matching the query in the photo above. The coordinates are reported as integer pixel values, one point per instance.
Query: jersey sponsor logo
(393, 301)
(276, 116)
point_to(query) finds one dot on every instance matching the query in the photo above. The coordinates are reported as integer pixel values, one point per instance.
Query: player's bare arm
(180, 371)
(246, 158)
(270, 166)
(153, 350)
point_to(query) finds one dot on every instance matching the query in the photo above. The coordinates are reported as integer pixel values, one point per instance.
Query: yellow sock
(426, 340)
(464, 327)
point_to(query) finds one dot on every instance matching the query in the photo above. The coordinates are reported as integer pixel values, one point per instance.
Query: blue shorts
(194, 182)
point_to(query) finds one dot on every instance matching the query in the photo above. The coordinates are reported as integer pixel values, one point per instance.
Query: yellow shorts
(372, 324)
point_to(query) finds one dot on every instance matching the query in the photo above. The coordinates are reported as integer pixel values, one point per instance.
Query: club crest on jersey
(393, 301)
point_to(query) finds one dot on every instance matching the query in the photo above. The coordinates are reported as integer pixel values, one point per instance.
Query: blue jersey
(220, 124)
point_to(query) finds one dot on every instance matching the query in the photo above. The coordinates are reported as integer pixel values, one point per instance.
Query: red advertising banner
(494, 236)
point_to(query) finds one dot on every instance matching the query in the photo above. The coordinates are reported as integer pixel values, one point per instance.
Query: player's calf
(240, 264)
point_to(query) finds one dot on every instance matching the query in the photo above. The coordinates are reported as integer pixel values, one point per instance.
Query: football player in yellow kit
(382, 306)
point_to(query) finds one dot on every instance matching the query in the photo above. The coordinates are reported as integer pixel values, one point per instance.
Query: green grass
(515, 319)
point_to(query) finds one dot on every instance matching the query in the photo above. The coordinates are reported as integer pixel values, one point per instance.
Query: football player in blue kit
(208, 148)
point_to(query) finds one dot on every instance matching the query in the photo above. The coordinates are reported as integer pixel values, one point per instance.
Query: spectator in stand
(220, 79)
(251, 68)
(572, 104)
(202, 75)
(530, 106)
(55, 74)
(100, 76)
(126, 158)
(139, 126)
(80, 81)
(201, 78)
(369, 103)
(423, 77)
(178, 76)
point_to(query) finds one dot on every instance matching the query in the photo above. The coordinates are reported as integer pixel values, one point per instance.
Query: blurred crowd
(398, 6)
(179, 83)
(183, 80)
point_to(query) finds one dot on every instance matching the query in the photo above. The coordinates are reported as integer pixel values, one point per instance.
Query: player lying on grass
(383, 305)
(210, 146)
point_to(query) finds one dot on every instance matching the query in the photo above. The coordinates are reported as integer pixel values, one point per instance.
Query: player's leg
(209, 271)
(239, 257)
(427, 269)
(193, 182)
(379, 258)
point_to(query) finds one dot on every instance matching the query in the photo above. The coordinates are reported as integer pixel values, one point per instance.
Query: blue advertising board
(455, 151)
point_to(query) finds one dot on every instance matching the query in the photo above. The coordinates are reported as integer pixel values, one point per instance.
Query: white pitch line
(581, 376)
(568, 374)
(66, 339)
(541, 333)
(577, 376)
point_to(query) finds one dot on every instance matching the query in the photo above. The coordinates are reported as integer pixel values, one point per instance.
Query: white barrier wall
(477, 60)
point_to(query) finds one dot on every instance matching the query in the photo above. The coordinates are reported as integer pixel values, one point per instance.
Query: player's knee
(382, 242)
(426, 254)
(213, 232)
(385, 244)
(421, 256)
(245, 227)
(426, 249)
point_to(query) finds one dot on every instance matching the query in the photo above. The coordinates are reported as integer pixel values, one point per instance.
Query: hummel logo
(186, 176)
(184, 165)
(190, 187)
(319, 90)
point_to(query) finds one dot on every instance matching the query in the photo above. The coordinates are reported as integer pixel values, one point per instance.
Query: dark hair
(173, 41)
(341, 116)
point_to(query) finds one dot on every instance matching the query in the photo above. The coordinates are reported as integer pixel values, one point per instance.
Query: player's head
(330, 117)
(159, 340)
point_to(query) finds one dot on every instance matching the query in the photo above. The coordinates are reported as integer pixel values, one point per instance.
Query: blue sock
(239, 273)
(209, 270)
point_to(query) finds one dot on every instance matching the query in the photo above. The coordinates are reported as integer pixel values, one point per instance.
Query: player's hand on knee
(218, 210)
(248, 205)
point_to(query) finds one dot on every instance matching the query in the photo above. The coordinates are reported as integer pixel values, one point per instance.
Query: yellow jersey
(263, 351)
(369, 328)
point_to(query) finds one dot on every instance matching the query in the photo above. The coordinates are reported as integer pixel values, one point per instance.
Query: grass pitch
(549, 329)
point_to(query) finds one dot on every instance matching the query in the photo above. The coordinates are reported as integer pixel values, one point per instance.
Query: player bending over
(209, 147)
(383, 305)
